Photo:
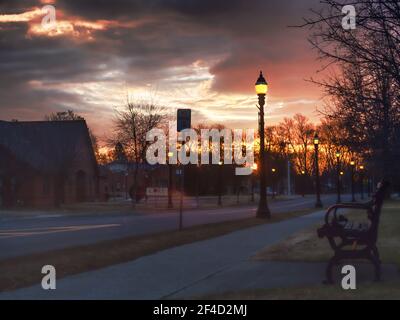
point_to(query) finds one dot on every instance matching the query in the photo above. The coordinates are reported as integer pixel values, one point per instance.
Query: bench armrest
(336, 207)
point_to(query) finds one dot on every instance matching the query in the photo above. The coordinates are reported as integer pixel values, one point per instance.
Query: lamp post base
(263, 212)
(319, 204)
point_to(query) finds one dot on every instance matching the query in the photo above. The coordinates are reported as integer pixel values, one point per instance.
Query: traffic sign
(184, 119)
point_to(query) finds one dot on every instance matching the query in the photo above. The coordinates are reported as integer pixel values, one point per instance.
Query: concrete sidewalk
(207, 267)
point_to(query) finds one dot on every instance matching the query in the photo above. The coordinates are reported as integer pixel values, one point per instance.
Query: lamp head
(316, 139)
(261, 85)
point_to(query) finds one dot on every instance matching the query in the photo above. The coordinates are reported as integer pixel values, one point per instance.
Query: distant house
(46, 163)
(117, 178)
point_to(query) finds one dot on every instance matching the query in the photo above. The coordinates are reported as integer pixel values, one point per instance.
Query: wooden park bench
(350, 240)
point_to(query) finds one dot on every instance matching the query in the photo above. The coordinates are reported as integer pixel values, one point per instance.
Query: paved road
(22, 236)
(206, 267)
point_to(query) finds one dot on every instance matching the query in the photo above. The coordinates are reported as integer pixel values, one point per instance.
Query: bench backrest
(376, 208)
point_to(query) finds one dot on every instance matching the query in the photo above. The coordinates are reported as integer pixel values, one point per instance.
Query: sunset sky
(199, 54)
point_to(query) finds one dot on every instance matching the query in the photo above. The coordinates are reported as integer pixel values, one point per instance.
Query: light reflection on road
(4, 234)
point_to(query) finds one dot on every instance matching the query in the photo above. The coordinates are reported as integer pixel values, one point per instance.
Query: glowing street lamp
(220, 164)
(170, 204)
(362, 168)
(254, 168)
(353, 165)
(318, 203)
(261, 91)
(273, 170)
(303, 183)
(339, 173)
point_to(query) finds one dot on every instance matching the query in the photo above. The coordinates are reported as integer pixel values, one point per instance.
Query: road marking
(4, 234)
(43, 216)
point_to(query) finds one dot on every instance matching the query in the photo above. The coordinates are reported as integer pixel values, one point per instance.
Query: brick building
(46, 164)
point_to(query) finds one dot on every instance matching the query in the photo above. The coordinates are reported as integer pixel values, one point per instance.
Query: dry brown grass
(368, 291)
(25, 271)
(306, 246)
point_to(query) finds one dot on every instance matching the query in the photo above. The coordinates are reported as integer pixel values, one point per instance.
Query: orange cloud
(76, 29)
(21, 17)
(70, 26)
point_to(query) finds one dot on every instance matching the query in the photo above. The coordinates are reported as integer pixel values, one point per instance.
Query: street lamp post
(273, 182)
(254, 169)
(353, 165)
(261, 90)
(362, 181)
(220, 183)
(318, 203)
(339, 199)
(198, 169)
(170, 204)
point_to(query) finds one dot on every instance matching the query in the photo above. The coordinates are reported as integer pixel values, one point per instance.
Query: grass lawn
(153, 206)
(306, 246)
(368, 291)
(25, 271)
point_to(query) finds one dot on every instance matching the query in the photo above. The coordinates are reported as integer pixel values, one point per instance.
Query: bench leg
(332, 262)
(375, 253)
(377, 264)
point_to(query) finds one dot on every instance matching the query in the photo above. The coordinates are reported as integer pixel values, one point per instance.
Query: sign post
(184, 121)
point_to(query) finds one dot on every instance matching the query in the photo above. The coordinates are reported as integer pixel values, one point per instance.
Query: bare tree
(363, 95)
(298, 134)
(131, 127)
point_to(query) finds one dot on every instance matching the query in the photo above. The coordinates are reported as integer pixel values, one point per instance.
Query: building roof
(46, 146)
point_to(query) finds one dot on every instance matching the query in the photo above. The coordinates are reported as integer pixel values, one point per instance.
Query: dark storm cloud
(105, 9)
(46, 61)
(240, 35)
(12, 6)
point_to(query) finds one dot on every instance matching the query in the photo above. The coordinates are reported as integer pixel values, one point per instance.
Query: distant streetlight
(353, 165)
(339, 173)
(273, 182)
(170, 204)
(362, 168)
(254, 168)
(198, 168)
(318, 203)
(303, 182)
(220, 164)
(261, 90)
